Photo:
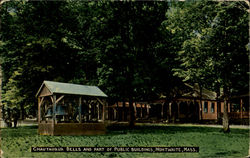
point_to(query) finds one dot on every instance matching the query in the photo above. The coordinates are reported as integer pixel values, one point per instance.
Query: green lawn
(212, 142)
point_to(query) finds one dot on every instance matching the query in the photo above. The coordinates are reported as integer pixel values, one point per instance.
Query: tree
(110, 44)
(129, 36)
(213, 50)
(33, 44)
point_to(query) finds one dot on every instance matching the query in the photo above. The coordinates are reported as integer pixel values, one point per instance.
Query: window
(235, 105)
(205, 107)
(212, 108)
(245, 106)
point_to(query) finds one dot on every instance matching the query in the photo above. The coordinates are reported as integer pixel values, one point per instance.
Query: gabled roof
(206, 94)
(69, 88)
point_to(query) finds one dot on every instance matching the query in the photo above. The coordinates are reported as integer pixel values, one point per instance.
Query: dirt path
(208, 125)
(34, 122)
(196, 125)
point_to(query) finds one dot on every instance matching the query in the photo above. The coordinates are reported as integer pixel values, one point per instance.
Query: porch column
(200, 110)
(141, 110)
(147, 110)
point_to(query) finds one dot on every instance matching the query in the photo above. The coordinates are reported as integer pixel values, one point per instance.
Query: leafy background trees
(132, 50)
(213, 50)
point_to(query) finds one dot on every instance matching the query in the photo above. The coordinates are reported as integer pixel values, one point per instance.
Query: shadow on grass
(118, 129)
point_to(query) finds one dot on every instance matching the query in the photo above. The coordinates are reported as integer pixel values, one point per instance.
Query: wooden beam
(59, 99)
(40, 101)
(45, 95)
(52, 100)
(49, 106)
(99, 100)
(103, 108)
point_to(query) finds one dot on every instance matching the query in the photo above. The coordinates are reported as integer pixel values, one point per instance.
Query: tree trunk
(226, 128)
(218, 105)
(22, 112)
(2, 112)
(200, 110)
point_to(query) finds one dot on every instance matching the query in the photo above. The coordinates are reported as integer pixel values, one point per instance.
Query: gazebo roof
(69, 88)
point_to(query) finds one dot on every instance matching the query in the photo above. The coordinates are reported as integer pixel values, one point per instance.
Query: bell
(61, 110)
(49, 113)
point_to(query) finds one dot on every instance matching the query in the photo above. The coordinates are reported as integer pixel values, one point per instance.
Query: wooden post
(89, 115)
(40, 102)
(80, 109)
(98, 110)
(39, 110)
(103, 112)
(54, 111)
(103, 103)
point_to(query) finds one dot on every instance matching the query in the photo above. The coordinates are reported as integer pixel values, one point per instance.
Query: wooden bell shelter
(70, 109)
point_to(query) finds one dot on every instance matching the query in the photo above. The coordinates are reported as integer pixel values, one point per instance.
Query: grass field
(211, 141)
